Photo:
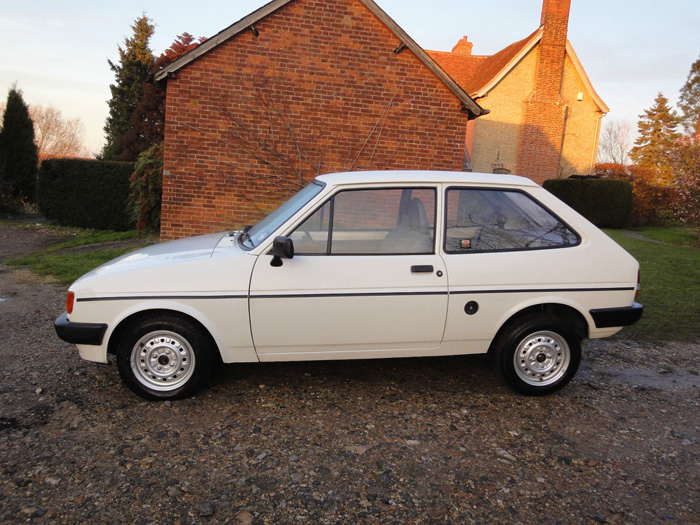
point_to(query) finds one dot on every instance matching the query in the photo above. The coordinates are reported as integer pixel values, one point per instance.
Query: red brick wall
(319, 90)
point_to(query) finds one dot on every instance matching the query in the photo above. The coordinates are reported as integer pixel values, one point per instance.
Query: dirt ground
(398, 441)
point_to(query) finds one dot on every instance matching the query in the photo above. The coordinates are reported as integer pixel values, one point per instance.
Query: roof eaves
(484, 90)
(209, 44)
(584, 77)
(468, 103)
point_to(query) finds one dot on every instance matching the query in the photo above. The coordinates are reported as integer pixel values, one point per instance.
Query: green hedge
(606, 203)
(86, 193)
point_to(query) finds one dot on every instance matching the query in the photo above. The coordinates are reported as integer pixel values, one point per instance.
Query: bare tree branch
(268, 136)
(56, 136)
(615, 142)
(380, 121)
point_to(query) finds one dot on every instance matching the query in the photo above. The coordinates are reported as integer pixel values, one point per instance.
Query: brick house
(298, 88)
(545, 116)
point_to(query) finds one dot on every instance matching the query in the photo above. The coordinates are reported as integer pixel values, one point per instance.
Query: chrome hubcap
(542, 358)
(162, 360)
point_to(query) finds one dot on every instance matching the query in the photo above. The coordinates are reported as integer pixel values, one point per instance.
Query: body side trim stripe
(351, 294)
(152, 297)
(538, 290)
(358, 294)
(466, 292)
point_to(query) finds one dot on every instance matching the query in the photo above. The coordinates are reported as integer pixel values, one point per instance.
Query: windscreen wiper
(245, 234)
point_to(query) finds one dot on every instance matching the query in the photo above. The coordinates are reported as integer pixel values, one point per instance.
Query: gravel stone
(392, 441)
(244, 518)
(504, 454)
(206, 509)
(358, 449)
(175, 492)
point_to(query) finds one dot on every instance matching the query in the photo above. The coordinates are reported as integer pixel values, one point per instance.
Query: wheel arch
(565, 313)
(135, 317)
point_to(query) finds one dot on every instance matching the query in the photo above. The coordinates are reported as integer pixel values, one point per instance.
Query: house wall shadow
(494, 140)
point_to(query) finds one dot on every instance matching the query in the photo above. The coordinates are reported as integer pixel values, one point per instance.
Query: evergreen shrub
(18, 153)
(653, 201)
(86, 193)
(606, 203)
(147, 189)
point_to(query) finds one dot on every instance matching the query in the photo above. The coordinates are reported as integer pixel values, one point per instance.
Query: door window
(370, 222)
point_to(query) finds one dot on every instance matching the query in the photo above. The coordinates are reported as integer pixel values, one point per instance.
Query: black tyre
(165, 357)
(538, 355)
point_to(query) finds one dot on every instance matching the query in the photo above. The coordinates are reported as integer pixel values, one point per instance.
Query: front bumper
(79, 333)
(614, 317)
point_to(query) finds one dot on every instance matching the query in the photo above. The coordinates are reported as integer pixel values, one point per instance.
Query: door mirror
(282, 248)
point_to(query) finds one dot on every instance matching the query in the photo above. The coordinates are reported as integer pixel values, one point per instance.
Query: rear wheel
(538, 355)
(164, 357)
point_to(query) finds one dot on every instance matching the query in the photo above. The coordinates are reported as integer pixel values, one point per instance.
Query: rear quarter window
(488, 220)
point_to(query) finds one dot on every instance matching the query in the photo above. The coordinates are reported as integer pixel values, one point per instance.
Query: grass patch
(679, 235)
(83, 237)
(66, 268)
(670, 289)
(66, 264)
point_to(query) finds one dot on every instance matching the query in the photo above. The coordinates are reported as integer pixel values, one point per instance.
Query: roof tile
(460, 67)
(474, 72)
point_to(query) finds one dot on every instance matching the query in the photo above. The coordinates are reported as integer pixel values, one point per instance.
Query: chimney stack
(555, 21)
(463, 47)
(542, 136)
(550, 65)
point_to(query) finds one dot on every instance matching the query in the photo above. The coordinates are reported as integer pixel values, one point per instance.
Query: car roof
(429, 177)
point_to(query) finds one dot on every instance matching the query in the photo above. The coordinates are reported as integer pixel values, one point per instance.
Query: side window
(370, 222)
(499, 220)
(311, 237)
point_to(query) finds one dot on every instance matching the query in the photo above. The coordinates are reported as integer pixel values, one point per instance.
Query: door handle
(425, 268)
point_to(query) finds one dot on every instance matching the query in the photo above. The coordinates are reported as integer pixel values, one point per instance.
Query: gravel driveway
(395, 441)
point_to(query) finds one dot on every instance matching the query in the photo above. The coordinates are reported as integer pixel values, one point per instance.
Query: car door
(365, 281)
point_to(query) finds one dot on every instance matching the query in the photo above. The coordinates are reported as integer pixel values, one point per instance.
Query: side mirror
(282, 248)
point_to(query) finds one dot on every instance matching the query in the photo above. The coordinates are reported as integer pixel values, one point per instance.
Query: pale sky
(57, 51)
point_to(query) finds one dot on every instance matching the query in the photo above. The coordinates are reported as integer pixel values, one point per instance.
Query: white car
(365, 265)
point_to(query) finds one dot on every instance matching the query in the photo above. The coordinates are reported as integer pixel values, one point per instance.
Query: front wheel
(164, 357)
(538, 355)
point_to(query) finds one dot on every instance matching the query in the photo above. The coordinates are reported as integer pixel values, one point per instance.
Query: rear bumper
(79, 333)
(613, 317)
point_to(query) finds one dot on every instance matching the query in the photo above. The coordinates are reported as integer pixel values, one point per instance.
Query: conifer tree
(135, 64)
(657, 138)
(689, 103)
(687, 181)
(687, 154)
(18, 154)
(147, 123)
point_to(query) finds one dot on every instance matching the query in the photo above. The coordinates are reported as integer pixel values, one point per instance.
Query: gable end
(248, 23)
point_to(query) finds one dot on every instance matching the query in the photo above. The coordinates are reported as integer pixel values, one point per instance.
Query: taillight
(639, 285)
(70, 300)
